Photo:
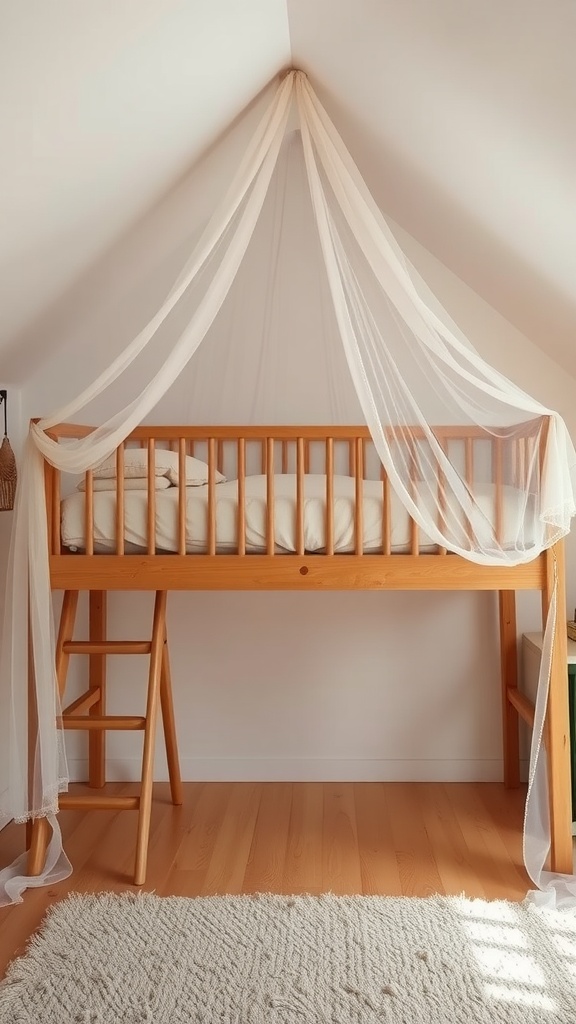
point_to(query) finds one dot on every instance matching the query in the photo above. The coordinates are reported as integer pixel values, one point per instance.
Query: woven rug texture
(138, 959)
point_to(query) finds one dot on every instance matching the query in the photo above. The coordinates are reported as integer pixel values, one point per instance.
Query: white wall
(286, 686)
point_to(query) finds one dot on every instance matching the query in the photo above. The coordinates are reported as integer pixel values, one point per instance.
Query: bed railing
(500, 458)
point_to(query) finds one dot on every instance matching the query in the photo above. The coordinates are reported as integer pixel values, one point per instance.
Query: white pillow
(136, 483)
(165, 464)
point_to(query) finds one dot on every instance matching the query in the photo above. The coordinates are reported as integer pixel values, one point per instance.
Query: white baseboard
(303, 770)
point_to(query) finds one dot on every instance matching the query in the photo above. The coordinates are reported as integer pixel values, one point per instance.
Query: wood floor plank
(234, 841)
(451, 854)
(197, 845)
(341, 872)
(487, 849)
(265, 868)
(416, 857)
(379, 869)
(303, 865)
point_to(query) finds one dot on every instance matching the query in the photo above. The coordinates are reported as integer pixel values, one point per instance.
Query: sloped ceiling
(460, 115)
(102, 106)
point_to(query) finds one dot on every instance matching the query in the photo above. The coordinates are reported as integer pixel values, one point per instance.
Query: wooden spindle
(386, 514)
(329, 495)
(56, 538)
(469, 458)
(469, 474)
(151, 517)
(211, 496)
(89, 512)
(414, 529)
(359, 498)
(182, 496)
(241, 496)
(498, 481)
(120, 500)
(270, 539)
(300, 496)
(442, 499)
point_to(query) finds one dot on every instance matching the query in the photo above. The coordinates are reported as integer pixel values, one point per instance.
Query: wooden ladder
(89, 712)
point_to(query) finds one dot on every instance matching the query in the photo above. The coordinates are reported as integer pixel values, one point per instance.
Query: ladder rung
(73, 801)
(103, 722)
(107, 646)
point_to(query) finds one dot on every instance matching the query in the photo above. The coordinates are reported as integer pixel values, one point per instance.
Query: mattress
(226, 494)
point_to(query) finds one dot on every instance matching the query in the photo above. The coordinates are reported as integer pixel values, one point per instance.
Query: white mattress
(135, 533)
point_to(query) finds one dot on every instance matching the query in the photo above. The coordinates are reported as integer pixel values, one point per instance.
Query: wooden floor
(410, 839)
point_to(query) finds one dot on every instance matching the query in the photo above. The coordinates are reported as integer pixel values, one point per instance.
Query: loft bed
(300, 508)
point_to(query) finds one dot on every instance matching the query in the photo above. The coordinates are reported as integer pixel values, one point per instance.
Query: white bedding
(136, 502)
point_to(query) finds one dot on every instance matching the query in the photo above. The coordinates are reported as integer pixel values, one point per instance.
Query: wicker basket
(8, 476)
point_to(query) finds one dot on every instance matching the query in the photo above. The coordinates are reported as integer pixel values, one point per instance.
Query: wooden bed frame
(299, 450)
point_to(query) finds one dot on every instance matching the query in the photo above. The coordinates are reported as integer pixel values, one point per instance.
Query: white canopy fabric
(410, 367)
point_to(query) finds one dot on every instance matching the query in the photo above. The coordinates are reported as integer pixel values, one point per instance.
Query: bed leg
(38, 834)
(153, 700)
(169, 724)
(558, 722)
(39, 839)
(97, 679)
(509, 676)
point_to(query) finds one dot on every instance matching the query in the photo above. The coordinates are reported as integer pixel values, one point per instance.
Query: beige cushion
(136, 483)
(165, 465)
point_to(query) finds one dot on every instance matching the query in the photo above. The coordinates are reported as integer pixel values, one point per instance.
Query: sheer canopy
(411, 367)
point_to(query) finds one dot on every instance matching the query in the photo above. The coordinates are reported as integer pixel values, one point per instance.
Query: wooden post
(509, 677)
(558, 719)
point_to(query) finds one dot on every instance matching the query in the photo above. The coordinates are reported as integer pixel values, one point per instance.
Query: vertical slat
(120, 500)
(329, 495)
(469, 458)
(220, 462)
(307, 456)
(151, 517)
(469, 475)
(498, 507)
(56, 539)
(359, 498)
(48, 490)
(441, 498)
(241, 496)
(182, 496)
(89, 512)
(414, 530)
(284, 456)
(386, 514)
(211, 496)
(270, 540)
(520, 448)
(300, 496)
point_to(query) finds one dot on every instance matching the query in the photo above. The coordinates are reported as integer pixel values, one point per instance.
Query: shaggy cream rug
(129, 959)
